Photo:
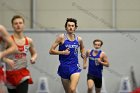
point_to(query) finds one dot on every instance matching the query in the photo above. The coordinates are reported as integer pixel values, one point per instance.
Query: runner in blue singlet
(97, 59)
(69, 69)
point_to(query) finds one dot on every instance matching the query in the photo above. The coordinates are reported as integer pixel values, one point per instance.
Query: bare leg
(98, 90)
(90, 84)
(73, 82)
(2, 90)
(66, 84)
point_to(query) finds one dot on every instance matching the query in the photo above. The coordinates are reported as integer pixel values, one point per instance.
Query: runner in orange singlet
(19, 77)
(11, 48)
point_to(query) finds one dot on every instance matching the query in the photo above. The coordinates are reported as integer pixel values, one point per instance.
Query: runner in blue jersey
(97, 59)
(69, 69)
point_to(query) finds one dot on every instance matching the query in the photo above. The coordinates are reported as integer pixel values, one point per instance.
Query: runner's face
(70, 27)
(97, 45)
(18, 25)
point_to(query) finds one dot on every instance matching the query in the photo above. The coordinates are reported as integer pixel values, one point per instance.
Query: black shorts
(97, 81)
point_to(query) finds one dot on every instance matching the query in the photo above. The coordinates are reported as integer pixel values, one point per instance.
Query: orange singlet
(20, 72)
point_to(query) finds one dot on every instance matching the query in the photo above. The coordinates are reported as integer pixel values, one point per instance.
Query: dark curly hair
(71, 20)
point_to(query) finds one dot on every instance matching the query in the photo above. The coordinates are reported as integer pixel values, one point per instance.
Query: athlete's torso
(20, 58)
(2, 47)
(95, 68)
(73, 46)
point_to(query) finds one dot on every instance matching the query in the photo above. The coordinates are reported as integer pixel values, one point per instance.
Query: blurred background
(116, 22)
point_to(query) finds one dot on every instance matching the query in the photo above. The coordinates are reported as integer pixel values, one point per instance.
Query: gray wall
(122, 49)
(51, 14)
